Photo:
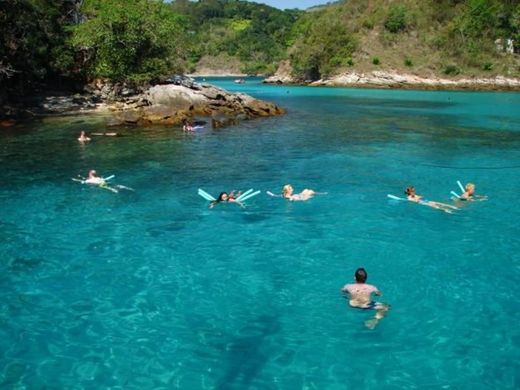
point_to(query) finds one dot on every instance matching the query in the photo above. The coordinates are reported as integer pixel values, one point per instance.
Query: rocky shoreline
(173, 104)
(164, 104)
(383, 79)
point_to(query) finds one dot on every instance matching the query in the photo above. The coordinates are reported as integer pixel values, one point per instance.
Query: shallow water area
(152, 289)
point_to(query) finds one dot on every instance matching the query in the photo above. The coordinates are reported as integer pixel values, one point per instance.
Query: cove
(152, 289)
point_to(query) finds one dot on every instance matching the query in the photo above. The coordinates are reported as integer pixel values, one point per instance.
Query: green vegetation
(397, 19)
(321, 47)
(60, 42)
(447, 37)
(451, 70)
(257, 35)
(129, 40)
(33, 45)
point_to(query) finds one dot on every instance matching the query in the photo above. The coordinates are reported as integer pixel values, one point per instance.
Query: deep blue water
(153, 290)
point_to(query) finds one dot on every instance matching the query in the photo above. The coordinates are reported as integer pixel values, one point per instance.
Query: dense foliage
(134, 40)
(55, 41)
(321, 46)
(33, 42)
(255, 34)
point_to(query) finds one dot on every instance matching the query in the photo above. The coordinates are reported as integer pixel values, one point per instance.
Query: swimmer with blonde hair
(413, 197)
(288, 193)
(469, 193)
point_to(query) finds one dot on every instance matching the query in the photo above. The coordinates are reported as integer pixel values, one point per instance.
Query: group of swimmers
(287, 193)
(467, 195)
(358, 293)
(306, 194)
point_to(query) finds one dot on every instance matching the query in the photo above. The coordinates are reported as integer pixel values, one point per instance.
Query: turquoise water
(152, 290)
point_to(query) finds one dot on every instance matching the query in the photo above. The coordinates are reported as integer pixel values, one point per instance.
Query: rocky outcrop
(172, 104)
(394, 80)
(166, 104)
(282, 75)
(382, 79)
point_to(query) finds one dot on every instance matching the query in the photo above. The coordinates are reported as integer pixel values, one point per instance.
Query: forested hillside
(68, 42)
(448, 37)
(256, 36)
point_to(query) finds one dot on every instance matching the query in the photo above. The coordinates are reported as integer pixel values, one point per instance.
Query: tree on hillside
(130, 40)
(323, 44)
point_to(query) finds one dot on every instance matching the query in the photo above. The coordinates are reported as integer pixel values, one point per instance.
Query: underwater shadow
(247, 355)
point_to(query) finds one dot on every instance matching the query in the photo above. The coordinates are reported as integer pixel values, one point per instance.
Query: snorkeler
(469, 193)
(83, 137)
(288, 193)
(413, 197)
(226, 198)
(360, 297)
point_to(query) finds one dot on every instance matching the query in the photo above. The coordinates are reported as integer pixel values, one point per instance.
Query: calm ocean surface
(152, 290)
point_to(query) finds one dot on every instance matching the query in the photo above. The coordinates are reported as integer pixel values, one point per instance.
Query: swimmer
(360, 297)
(93, 178)
(288, 193)
(226, 198)
(413, 197)
(469, 193)
(187, 126)
(83, 137)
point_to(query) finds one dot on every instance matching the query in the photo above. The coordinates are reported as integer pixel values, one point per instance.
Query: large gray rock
(172, 104)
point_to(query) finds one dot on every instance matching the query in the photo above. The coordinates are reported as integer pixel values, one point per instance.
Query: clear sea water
(153, 290)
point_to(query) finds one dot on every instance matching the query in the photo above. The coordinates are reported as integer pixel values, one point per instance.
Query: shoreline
(391, 80)
(160, 104)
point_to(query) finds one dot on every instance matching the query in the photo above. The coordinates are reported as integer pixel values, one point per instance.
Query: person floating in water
(360, 297)
(412, 196)
(469, 193)
(224, 197)
(288, 193)
(83, 137)
(93, 178)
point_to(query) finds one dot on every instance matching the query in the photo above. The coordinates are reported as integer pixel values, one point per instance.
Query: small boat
(240, 81)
